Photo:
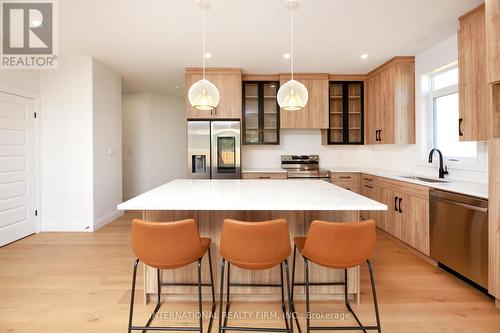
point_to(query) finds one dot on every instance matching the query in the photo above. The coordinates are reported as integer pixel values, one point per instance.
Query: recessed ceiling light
(286, 55)
(364, 56)
(208, 55)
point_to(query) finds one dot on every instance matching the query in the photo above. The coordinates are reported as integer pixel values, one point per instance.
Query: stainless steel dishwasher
(459, 234)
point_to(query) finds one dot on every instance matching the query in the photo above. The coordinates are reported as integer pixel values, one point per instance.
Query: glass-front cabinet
(346, 112)
(261, 113)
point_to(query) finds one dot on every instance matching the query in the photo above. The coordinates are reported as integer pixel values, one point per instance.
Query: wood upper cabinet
(228, 81)
(390, 104)
(315, 114)
(475, 119)
(493, 40)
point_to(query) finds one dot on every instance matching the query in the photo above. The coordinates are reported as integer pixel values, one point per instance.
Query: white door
(17, 167)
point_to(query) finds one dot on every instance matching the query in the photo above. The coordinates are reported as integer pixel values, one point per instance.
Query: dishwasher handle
(460, 204)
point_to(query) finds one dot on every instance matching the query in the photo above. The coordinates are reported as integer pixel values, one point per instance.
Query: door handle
(396, 204)
(460, 133)
(376, 135)
(400, 200)
(368, 186)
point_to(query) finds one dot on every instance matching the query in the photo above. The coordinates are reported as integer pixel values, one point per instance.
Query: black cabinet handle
(460, 133)
(345, 177)
(264, 177)
(396, 204)
(400, 200)
(369, 179)
(379, 135)
(368, 186)
(376, 135)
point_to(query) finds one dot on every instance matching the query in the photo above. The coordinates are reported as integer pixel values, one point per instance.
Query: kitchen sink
(424, 179)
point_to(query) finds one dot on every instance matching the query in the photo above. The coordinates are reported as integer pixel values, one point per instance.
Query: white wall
(20, 81)
(404, 158)
(107, 143)
(66, 146)
(306, 142)
(154, 142)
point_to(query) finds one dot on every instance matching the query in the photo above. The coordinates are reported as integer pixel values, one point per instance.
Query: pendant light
(293, 95)
(203, 95)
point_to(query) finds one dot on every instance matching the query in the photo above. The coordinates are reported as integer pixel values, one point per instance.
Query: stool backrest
(340, 245)
(255, 245)
(166, 244)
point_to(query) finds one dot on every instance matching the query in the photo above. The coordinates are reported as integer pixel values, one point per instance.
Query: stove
(303, 166)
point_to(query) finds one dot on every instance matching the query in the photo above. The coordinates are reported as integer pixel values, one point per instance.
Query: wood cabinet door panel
(415, 212)
(371, 110)
(474, 93)
(230, 90)
(493, 39)
(315, 114)
(385, 120)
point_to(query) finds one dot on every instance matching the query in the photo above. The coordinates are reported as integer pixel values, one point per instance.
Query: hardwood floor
(80, 282)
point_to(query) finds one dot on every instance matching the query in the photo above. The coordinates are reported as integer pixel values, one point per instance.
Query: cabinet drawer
(264, 175)
(344, 176)
(348, 185)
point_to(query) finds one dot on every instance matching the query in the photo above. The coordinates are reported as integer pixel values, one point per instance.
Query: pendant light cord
(203, 37)
(291, 37)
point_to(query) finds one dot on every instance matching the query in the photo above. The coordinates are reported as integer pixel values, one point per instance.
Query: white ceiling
(151, 41)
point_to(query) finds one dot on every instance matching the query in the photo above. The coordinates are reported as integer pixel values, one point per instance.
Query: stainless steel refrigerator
(213, 149)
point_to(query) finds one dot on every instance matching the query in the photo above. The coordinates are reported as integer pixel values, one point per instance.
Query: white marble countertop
(235, 194)
(263, 170)
(463, 187)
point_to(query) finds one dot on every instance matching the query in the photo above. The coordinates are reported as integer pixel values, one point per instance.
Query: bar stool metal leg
(306, 278)
(132, 296)
(223, 317)
(374, 293)
(147, 326)
(290, 303)
(361, 327)
(283, 306)
(221, 296)
(294, 312)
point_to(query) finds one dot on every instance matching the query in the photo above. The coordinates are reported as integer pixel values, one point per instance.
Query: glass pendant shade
(292, 96)
(203, 95)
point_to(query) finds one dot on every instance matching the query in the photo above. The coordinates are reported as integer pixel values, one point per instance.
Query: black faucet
(442, 171)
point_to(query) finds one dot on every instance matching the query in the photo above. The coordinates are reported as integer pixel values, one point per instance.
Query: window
(444, 95)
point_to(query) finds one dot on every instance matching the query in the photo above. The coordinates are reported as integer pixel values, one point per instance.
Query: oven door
(225, 149)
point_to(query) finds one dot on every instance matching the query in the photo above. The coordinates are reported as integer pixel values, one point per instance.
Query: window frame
(452, 162)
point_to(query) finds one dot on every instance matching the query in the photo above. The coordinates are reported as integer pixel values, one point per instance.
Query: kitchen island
(209, 202)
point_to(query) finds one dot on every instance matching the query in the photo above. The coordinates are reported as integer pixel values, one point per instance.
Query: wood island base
(210, 224)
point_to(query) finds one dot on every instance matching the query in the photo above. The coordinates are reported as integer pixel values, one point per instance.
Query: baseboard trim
(64, 228)
(102, 221)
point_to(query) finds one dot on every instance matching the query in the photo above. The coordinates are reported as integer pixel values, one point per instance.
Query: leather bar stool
(170, 245)
(338, 246)
(255, 246)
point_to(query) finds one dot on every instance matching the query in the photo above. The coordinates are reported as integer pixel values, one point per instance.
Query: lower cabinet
(371, 188)
(263, 175)
(407, 215)
(347, 180)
